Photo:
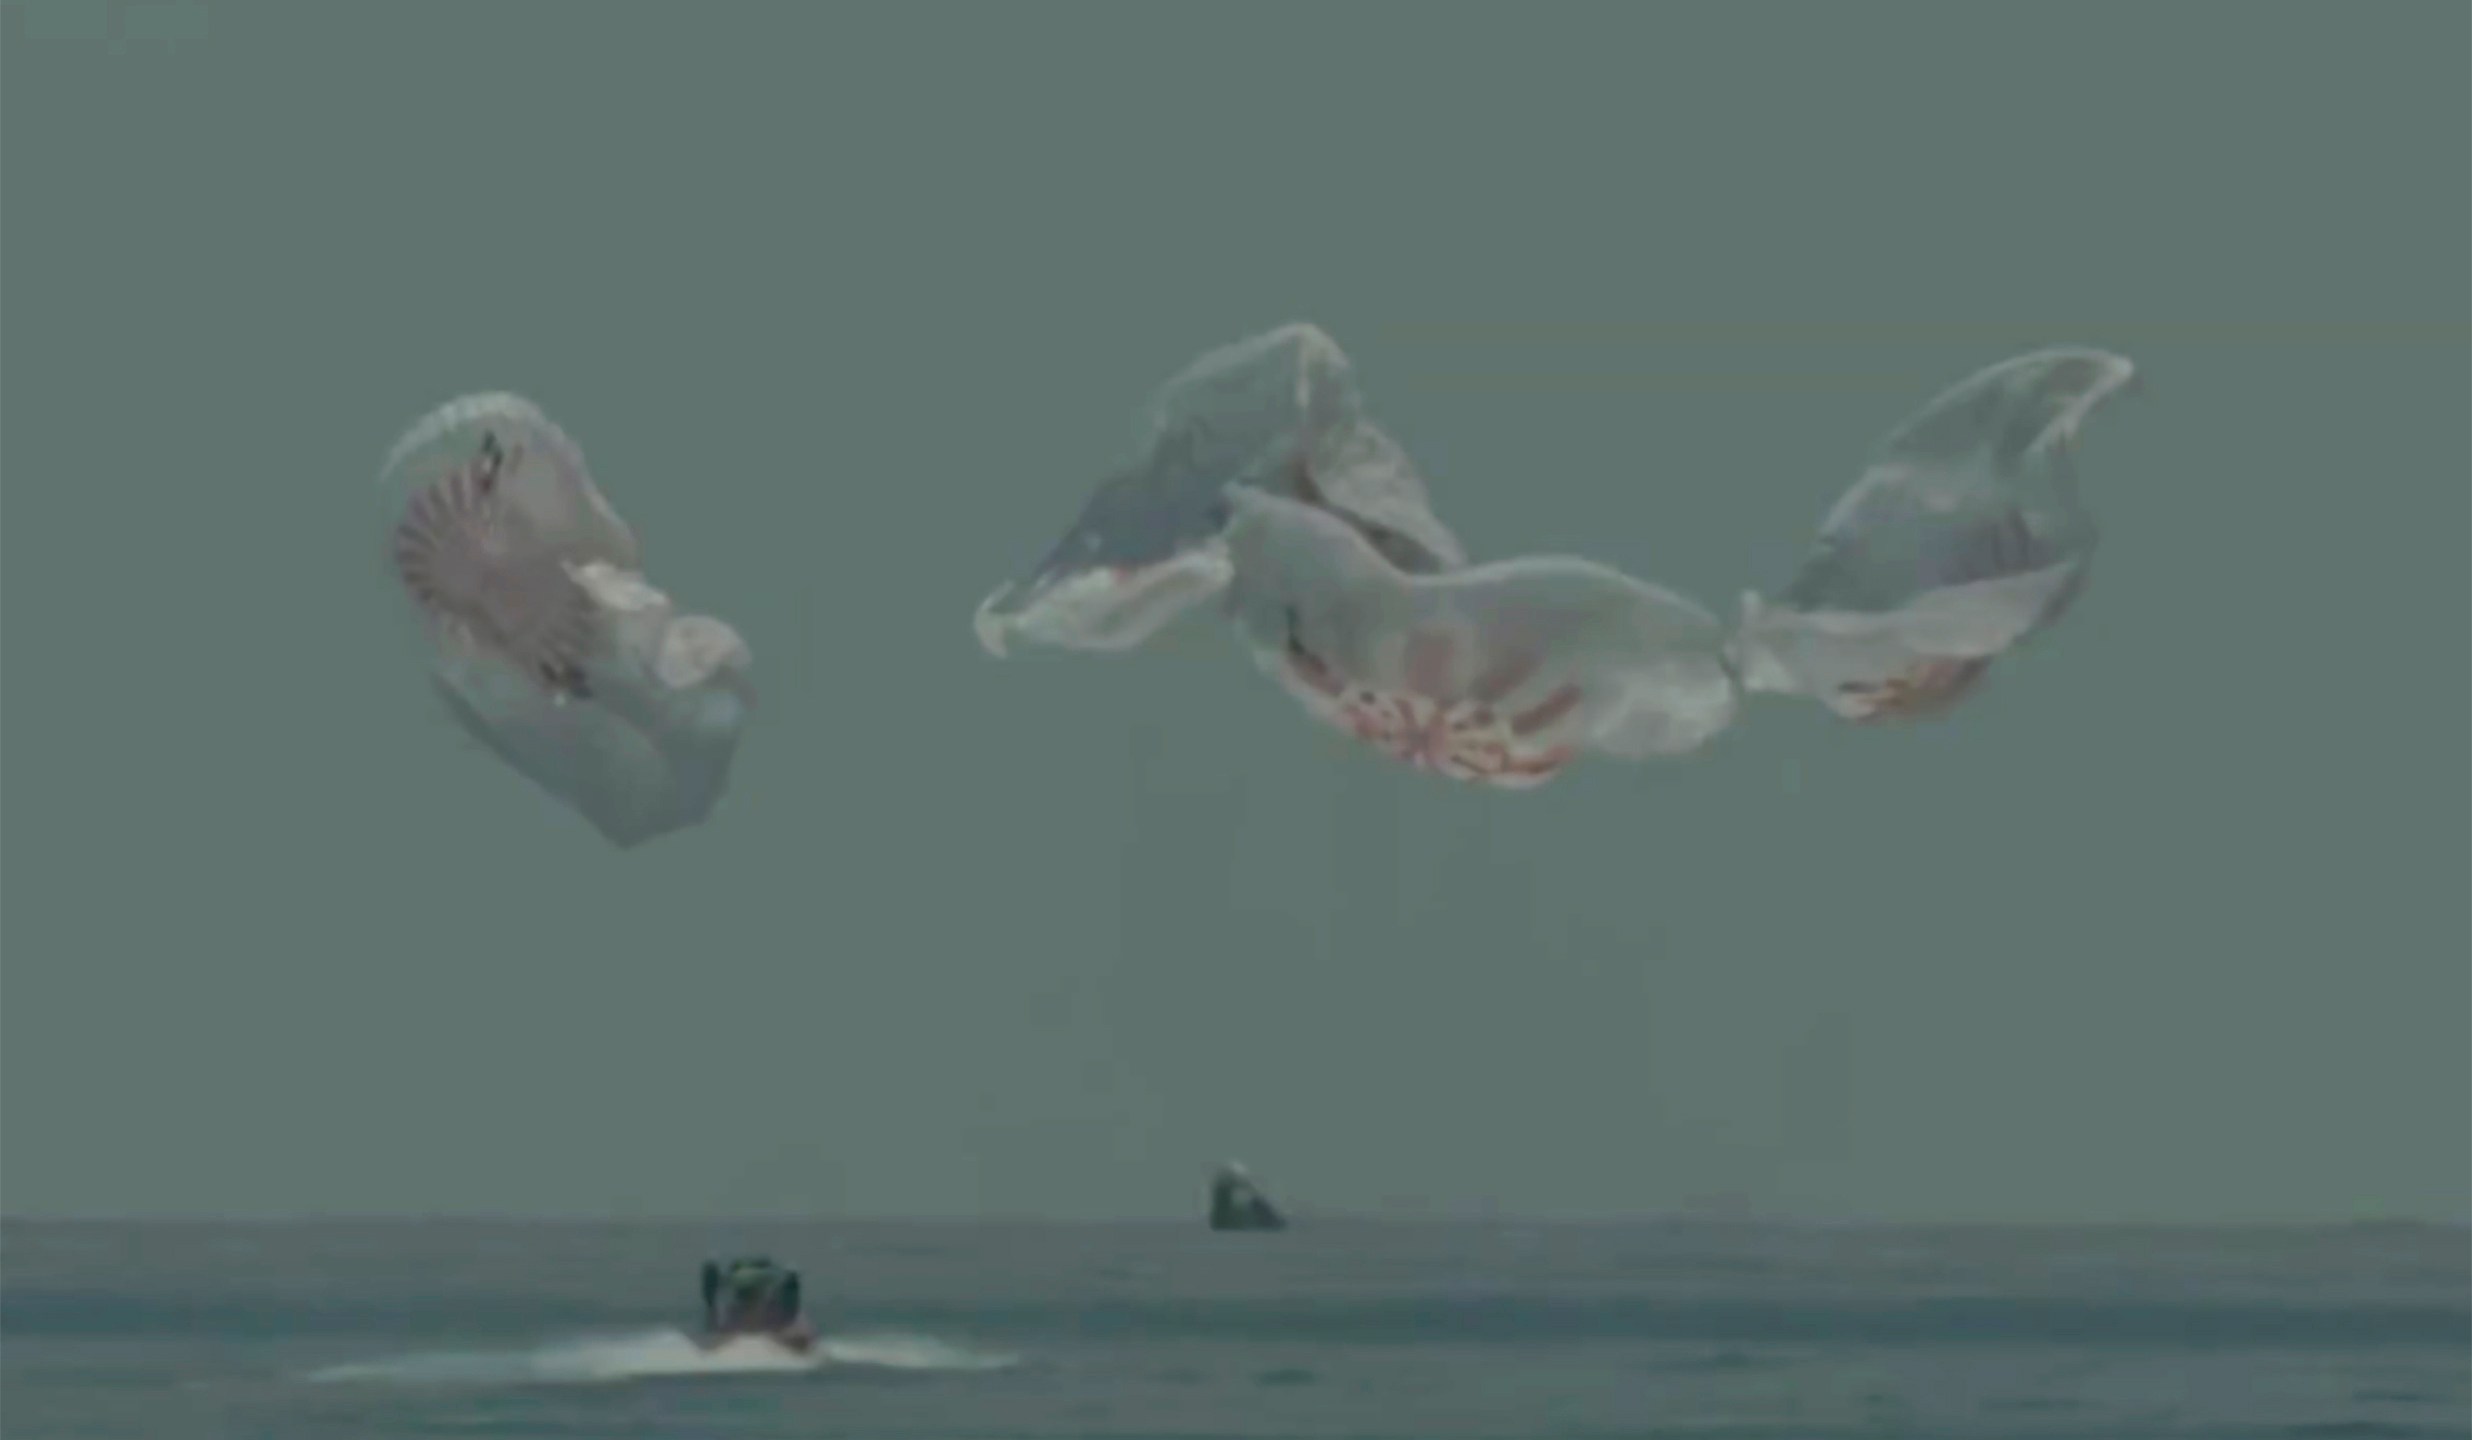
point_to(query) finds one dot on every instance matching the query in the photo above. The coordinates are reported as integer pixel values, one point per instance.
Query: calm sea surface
(1336, 1328)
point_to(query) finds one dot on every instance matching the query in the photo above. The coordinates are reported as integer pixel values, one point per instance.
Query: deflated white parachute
(539, 630)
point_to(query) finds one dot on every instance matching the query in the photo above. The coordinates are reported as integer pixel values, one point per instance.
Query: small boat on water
(752, 1295)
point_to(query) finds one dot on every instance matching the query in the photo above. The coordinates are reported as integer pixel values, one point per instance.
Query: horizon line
(1780, 1220)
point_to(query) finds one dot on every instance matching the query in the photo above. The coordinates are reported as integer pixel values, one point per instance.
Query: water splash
(658, 1354)
(910, 1352)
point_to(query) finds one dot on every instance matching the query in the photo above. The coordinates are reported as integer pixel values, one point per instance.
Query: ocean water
(1336, 1328)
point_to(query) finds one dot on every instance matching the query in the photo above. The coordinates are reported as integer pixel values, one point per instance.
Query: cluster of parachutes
(1262, 486)
(1263, 483)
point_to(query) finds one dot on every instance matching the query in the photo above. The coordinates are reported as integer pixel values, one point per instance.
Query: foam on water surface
(657, 1354)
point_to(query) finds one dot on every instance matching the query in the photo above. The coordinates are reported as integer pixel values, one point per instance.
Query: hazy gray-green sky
(848, 305)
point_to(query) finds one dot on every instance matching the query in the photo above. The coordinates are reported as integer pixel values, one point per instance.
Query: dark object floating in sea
(1237, 1202)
